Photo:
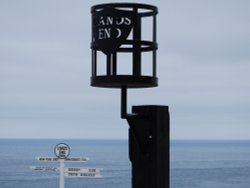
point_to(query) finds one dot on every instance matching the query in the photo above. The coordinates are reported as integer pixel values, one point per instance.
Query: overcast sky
(45, 67)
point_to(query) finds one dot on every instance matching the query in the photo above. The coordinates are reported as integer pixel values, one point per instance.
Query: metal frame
(137, 46)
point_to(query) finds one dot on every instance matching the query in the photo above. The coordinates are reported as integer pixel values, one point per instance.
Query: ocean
(193, 163)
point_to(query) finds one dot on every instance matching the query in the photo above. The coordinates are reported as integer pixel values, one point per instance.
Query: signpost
(70, 159)
(62, 152)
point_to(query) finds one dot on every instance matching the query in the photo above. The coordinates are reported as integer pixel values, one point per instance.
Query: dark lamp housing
(117, 34)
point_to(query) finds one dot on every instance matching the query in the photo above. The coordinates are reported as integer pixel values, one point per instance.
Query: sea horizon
(175, 139)
(194, 163)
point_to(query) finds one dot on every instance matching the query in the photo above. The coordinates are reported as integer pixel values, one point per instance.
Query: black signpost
(116, 30)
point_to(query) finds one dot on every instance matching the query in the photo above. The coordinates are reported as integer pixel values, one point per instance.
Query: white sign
(85, 170)
(50, 168)
(62, 150)
(83, 174)
(55, 159)
(47, 159)
(76, 159)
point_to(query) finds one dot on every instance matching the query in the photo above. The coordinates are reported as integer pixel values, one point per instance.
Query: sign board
(111, 27)
(49, 168)
(47, 159)
(67, 170)
(85, 170)
(69, 159)
(83, 175)
(62, 151)
(76, 159)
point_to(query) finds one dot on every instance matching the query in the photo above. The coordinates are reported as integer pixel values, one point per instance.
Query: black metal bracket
(124, 114)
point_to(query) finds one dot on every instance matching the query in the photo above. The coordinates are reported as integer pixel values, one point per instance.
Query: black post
(149, 146)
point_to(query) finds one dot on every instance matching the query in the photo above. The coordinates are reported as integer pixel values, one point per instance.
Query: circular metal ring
(143, 9)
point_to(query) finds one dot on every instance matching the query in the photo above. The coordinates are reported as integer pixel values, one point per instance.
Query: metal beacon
(118, 46)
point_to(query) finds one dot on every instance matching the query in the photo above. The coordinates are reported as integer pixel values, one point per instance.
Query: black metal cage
(117, 36)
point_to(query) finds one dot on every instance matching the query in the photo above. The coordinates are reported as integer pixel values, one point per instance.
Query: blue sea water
(210, 164)
(193, 164)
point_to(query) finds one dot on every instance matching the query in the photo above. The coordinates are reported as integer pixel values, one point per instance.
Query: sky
(45, 67)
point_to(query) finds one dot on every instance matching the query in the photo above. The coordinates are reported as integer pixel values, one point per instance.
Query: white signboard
(83, 175)
(85, 170)
(47, 159)
(50, 168)
(69, 159)
(76, 159)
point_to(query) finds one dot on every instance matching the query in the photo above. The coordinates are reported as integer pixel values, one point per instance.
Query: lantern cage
(121, 38)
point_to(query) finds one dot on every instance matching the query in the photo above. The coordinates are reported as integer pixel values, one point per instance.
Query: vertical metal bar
(94, 63)
(108, 65)
(93, 50)
(123, 102)
(154, 29)
(136, 46)
(154, 51)
(114, 64)
(154, 69)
